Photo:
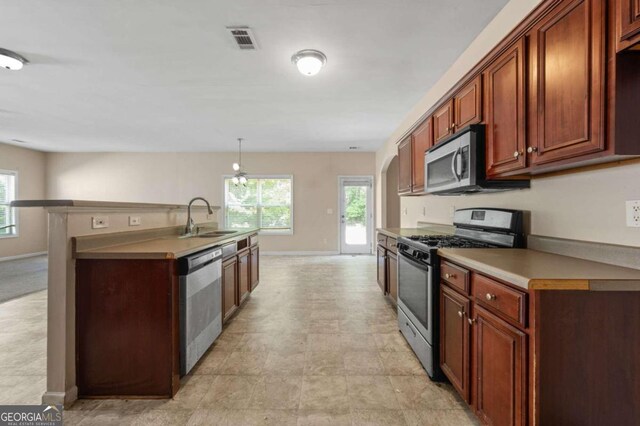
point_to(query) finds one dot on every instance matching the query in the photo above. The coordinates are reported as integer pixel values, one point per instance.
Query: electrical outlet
(452, 211)
(98, 222)
(135, 221)
(633, 214)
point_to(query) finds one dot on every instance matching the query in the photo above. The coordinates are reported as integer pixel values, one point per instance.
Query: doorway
(356, 214)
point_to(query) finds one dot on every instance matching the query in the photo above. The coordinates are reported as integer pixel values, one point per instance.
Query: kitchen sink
(209, 234)
(215, 234)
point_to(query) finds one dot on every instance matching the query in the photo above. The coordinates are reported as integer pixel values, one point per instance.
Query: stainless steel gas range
(419, 273)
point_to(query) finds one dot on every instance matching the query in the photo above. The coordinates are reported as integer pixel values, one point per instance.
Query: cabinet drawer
(500, 298)
(382, 240)
(455, 276)
(392, 245)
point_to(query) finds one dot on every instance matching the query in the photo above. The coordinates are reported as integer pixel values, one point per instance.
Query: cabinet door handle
(517, 154)
(460, 314)
(532, 149)
(449, 276)
(490, 296)
(471, 321)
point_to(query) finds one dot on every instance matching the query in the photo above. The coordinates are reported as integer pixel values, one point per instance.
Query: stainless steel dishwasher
(200, 304)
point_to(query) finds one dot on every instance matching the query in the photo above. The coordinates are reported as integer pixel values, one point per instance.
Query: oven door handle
(414, 262)
(454, 164)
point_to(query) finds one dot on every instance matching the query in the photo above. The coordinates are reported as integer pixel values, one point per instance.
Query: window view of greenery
(355, 202)
(7, 193)
(263, 203)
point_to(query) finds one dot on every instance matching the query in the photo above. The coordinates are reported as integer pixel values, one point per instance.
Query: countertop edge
(83, 204)
(115, 255)
(515, 279)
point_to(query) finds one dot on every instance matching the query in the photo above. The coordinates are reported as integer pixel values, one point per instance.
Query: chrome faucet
(188, 230)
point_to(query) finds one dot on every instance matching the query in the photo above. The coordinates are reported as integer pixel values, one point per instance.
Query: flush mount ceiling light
(11, 60)
(240, 177)
(309, 61)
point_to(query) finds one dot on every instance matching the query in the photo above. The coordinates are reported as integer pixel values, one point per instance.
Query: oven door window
(414, 291)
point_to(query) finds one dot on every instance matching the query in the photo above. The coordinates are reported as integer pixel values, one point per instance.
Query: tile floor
(316, 344)
(23, 349)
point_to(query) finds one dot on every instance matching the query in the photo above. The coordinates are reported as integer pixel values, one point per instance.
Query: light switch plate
(633, 214)
(98, 222)
(135, 221)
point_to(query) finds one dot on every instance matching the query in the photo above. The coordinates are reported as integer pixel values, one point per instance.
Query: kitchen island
(122, 226)
(129, 306)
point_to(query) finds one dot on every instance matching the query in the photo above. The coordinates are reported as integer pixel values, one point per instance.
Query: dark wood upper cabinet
(505, 111)
(628, 23)
(405, 159)
(443, 122)
(467, 104)
(500, 354)
(422, 141)
(454, 339)
(568, 61)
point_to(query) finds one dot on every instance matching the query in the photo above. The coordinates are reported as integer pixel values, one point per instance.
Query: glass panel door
(356, 215)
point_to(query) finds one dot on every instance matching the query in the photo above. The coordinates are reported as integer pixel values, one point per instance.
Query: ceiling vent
(244, 37)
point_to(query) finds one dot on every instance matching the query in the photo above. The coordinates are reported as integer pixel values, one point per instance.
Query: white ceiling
(164, 75)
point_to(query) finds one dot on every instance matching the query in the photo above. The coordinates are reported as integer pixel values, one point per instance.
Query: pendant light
(240, 178)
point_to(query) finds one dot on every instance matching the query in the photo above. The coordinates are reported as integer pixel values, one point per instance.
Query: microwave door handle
(454, 164)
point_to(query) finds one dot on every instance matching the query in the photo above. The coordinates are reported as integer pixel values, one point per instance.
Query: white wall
(586, 205)
(32, 223)
(178, 177)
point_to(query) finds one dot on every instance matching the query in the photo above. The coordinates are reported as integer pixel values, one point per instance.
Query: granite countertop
(537, 270)
(165, 247)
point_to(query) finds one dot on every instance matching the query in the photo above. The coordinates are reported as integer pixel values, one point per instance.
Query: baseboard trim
(61, 398)
(22, 256)
(299, 253)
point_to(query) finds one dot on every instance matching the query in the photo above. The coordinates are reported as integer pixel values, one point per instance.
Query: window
(265, 202)
(7, 195)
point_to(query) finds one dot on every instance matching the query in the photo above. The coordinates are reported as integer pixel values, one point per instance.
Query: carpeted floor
(22, 276)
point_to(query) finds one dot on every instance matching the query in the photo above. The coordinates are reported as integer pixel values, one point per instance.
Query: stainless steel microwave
(457, 166)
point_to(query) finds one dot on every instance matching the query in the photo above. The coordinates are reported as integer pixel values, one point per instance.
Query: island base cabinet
(244, 276)
(500, 366)
(127, 328)
(229, 285)
(255, 267)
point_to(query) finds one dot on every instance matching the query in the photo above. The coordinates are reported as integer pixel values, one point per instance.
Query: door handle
(454, 164)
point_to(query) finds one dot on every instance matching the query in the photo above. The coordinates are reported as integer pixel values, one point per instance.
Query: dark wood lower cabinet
(255, 267)
(382, 266)
(392, 276)
(244, 275)
(500, 365)
(229, 285)
(127, 328)
(454, 337)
